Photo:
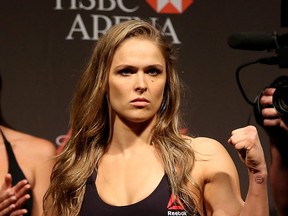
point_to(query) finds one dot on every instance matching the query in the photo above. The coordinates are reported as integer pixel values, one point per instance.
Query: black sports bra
(159, 202)
(17, 174)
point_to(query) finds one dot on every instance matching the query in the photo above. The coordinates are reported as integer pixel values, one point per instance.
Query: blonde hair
(91, 130)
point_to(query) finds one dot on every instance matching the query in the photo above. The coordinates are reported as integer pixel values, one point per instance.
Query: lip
(139, 102)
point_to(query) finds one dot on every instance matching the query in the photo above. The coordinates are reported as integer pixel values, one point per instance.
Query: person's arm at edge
(43, 168)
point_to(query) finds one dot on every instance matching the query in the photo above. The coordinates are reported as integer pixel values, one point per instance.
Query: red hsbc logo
(170, 6)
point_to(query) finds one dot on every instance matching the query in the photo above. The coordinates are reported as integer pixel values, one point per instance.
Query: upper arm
(221, 188)
(44, 163)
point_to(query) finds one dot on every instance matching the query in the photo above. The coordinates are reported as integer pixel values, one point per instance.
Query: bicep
(222, 191)
(42, 180)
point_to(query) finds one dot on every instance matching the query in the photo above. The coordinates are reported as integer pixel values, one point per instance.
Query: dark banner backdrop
(44, 46)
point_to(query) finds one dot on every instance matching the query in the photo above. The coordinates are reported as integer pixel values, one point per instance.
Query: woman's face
(137, 80)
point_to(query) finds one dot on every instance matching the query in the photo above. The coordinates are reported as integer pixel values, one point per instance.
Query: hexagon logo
(170, 6)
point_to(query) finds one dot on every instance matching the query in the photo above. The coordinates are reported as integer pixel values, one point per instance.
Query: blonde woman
(126, 155)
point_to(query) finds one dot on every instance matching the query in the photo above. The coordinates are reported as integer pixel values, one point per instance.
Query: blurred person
(276, 127)
(26, 162)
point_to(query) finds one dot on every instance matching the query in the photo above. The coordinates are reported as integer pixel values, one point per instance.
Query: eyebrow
(160, 66)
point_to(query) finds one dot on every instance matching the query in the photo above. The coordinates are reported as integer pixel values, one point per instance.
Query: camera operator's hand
(269, 113)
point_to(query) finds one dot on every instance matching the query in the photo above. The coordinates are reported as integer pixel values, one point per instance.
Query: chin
(141, 120)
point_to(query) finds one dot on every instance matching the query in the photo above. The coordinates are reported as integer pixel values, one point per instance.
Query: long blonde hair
(91, 130)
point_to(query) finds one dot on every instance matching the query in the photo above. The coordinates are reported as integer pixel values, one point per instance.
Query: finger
(284, 125)
(7, 210)
(20, 185)
(7, 182)
(6, 194)
(237, 136)
(271, 122)
(266, 101)
(242, 146)
(239, 145)
(236, 132)
(270, 113)
(268, 91)
(22, 200)
(243, 137)
(19, 212)
(7, 202)
(19, 192)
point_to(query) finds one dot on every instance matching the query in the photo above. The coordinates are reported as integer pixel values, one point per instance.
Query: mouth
(139, 102)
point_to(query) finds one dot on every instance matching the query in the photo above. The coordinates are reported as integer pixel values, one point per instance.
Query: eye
(125, 72)
(153, 71)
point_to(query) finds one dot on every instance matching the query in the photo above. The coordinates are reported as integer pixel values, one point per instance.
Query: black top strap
(16, 172)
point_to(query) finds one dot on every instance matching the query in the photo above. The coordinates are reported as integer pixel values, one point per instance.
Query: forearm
(278, 178)
(256, 202)
(278, 139)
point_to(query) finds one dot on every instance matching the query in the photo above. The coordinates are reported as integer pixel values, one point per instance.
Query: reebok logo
(170, 6)
(174, 203)
(175, 207)
(177, 213)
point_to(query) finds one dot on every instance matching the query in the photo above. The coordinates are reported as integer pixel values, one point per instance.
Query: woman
(126, 155)
(25, 166)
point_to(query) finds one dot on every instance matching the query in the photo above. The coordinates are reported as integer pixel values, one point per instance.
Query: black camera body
(280, 100)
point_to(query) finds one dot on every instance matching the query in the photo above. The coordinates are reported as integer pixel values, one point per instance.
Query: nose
(140, 82)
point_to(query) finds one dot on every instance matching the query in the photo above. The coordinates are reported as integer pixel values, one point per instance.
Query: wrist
(259, 169)
(258, 175)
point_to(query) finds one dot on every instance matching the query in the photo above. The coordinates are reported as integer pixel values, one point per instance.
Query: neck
(128, 136)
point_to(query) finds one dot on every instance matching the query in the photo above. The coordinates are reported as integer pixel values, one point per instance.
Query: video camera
(280, 100)
(262, 41)
(259, 41)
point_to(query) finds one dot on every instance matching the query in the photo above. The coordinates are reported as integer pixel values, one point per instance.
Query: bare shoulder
(206, 147)
(36, 146)
(211, 157)
(40, 145)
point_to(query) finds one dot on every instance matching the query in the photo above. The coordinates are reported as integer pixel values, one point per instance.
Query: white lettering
(81, 29)
(177, 213)
(125, 9)
(112, 5)
(90, 7)
(97, 32)
(102, 23)
(154, 21)
(58, 5)
(169, 30)
(103, 5)
(73, 5)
